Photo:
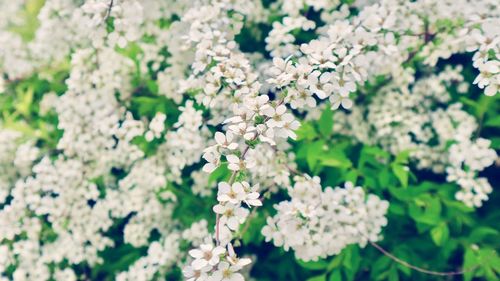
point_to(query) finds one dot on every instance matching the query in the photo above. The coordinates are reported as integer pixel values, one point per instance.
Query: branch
(405, 263)
(108, 12)
(419, 269)
(233, 176)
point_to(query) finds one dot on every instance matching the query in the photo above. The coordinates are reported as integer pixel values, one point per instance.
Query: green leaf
(471, 261)
(375, 151)
(351, 176)
(332, 162)
(440, 234)
(397, 209)
(219, 174)
(352, 258)
(335, 263)
(118, 259)
(493, 122)
(495, 142)
(480, 233)
(402, 157)
(313, 265)
(25, 100)
(384, 178)
(425, 209)
(336, 275)
(393, 273)
(494, 261)
(252, 233)
(406, 270)
(457, 206)
(335, 158)
(489, 260)
(470, 103)
(379, 266)
(318, 278)
(314, 153)
(325, 122)
(401, 173)
(306, 132)
(152, 86)
(372, 155)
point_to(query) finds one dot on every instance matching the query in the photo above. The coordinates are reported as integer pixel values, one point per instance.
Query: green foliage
(427, 226)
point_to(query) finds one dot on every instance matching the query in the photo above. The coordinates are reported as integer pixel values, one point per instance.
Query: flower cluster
(254, 119)
(215, 263)
(332, 65)
(16, 159)
(413, 118)
(57, 214)
(317, 223)
(467, 158)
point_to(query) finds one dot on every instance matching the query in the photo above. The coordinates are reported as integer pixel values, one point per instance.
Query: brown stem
(217, 218)
(231, 181)
(247, 223)
(254, 210)
(233, 176)
(419, 269)
(108, 12)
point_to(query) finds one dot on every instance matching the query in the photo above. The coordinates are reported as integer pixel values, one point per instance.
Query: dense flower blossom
(316, 223)
(408, 119)
(141, 95)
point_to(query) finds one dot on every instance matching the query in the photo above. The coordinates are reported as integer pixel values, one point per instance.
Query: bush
(266, 140)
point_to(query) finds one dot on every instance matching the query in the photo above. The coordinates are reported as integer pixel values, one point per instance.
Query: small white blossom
(206, 255)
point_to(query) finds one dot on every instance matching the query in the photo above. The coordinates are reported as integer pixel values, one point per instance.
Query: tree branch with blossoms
(330, 67)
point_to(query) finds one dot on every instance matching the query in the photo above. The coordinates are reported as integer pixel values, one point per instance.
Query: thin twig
(217, 218)
(254, 210)
(247, 223)
(231, 181)
(233, 176)
(108, 12)
(419, 269)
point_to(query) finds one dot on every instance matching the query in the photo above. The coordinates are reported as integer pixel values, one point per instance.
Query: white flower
(195, 275)
(289, 127)
(281, 72)
(227, 272)
(299, 97)
(489, 77)
(251, 195)
(226, 140)
(276, 116)
(232, 215)
(257, 104)
(156, 126)
(234, 260)
(213, 159)
(243, 129)
(343, 85)
(231, 193)
(318, 84)
(235, 164)
(206, 255)
(338, 99)
(493, 88)
(301, 72)
(319, 52)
